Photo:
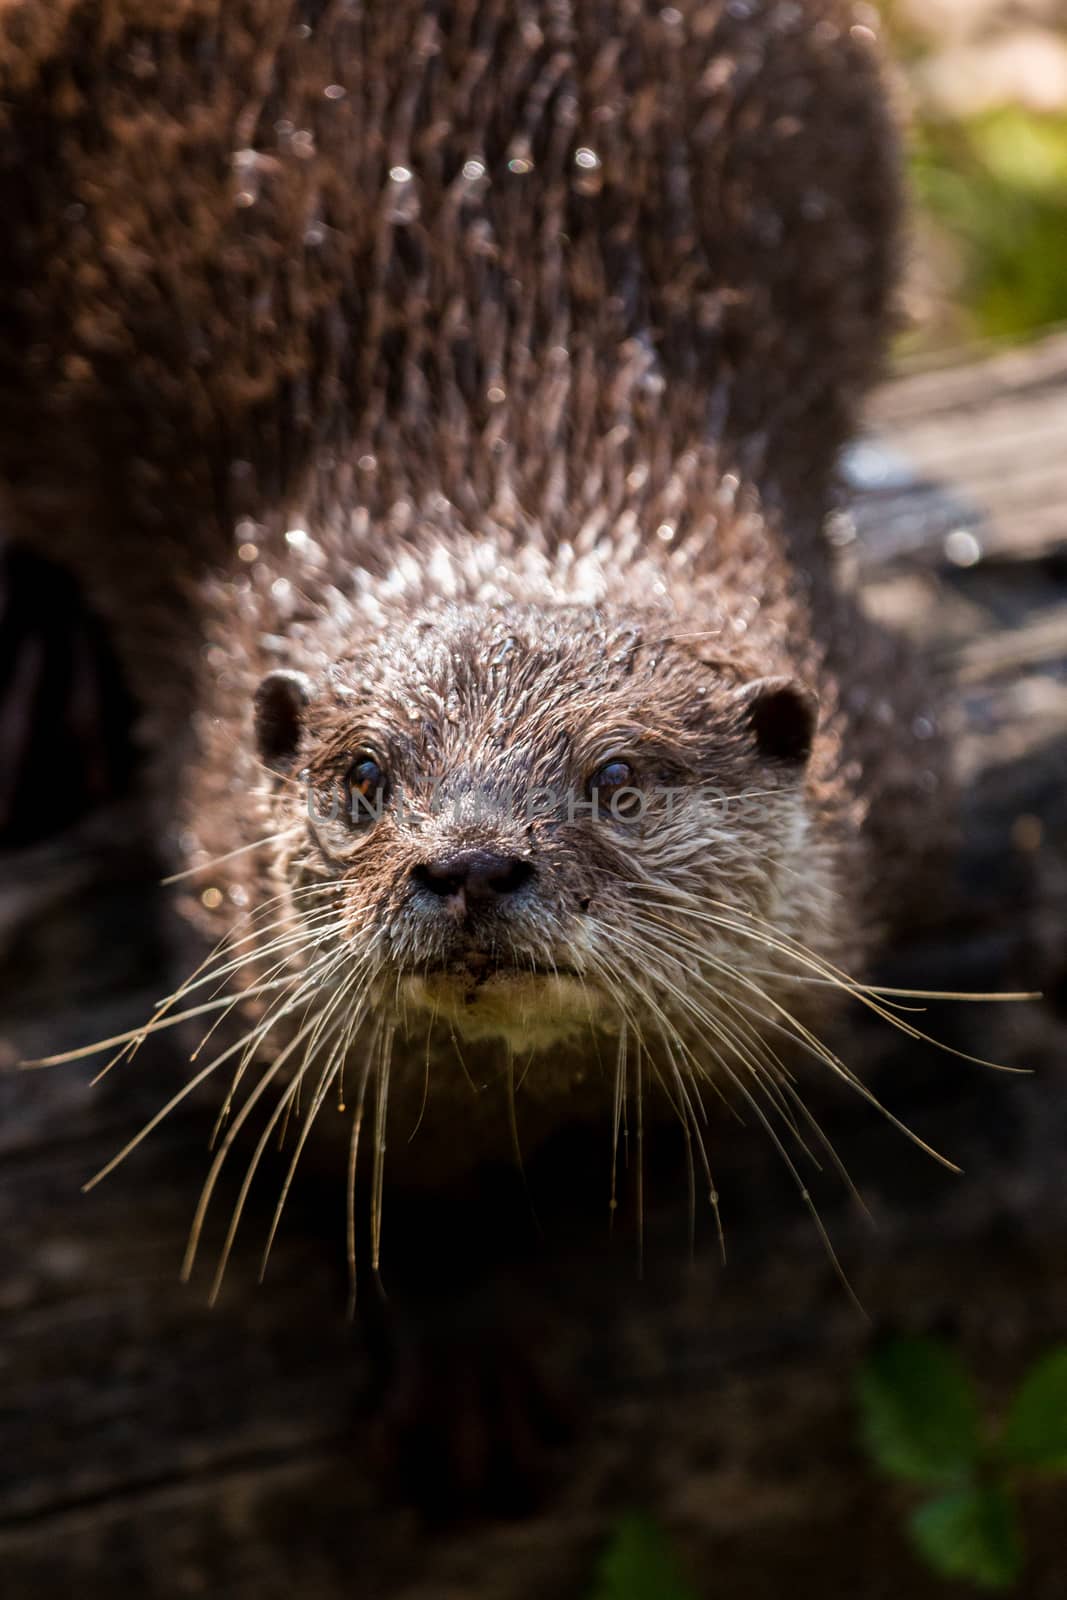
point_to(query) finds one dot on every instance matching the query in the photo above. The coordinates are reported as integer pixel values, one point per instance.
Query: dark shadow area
(66, 718)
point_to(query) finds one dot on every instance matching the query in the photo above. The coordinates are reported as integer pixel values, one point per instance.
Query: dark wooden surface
(153, 1446)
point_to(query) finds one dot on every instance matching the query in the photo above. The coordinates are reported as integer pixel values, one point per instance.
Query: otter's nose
(477, 875)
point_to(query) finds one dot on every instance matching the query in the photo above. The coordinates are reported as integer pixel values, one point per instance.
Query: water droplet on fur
(520, 165)
(587, 159)
(474, 169)
(840, 529)
(211, 899)
(402, 202)
(335, 91)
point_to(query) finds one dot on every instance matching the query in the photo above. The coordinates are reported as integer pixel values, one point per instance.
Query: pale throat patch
(526, 1010)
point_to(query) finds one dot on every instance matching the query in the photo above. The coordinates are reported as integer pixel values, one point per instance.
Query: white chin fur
(526, 1010)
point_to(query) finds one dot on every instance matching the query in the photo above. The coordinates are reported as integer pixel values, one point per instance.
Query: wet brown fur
(538, 329)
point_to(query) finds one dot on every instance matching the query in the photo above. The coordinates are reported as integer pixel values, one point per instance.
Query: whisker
(242, 1116)
(321, 1091)
(119, 1038)
(883, 992)
(353, 1155)
(380, 1107)
(619, 1098)
(246, 1183)
(207, 866)
(807, 957)
(783, 1153)
(308, 980)
(810, 959)
(133, 1038)
(798, 1030)
(257, 1033)
(425, 1077)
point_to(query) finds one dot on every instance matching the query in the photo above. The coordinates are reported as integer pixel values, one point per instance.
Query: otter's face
(528, 820)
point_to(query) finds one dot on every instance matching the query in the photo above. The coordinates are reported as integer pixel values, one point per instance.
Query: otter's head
(528, 822)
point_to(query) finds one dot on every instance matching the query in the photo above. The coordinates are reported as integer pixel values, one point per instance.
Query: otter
(442, 405)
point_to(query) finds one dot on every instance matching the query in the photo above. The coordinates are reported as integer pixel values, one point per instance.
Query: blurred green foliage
(997, 185)
(638, 1563)
(920, 1421)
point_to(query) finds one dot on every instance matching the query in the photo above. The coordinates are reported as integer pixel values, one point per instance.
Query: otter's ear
(279, 705)
(782, 714)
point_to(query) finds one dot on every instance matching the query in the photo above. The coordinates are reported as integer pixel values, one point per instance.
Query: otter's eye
(365, 783)
(614, 787)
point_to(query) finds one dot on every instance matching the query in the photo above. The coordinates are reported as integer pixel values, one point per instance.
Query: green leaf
(973, 1534)
(638, 1564)
(1035, 1434)
(919, 1413)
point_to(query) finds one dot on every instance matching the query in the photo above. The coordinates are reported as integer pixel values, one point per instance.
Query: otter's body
(455, 394)
(626, 230)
